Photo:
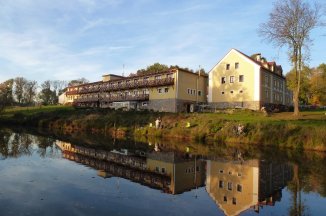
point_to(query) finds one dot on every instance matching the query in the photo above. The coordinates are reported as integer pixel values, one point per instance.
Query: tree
(78, 82)
(6, 94)
(154, 68)
(318, 85)
(289, 25)
(30, 92)
(47, 95)
(20, 83)
(58, 85)
(305, 93)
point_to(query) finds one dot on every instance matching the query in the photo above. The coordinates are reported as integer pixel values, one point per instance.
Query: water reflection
(237, 186)
(236, 180)
(170, 172)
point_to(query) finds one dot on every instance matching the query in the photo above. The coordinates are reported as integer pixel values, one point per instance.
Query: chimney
(258, 57)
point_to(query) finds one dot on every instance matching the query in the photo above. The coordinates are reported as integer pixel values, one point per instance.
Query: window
(229, 185)
(230, 173)
(163, 170)
(194, 91)
(241, 91)
(231, 92)
(234, 201)
(159, 90)
(227, 66)
(221, 184)
(189, 92)
(239, 188)
(144, 104)
(166, 90)
(225, 199)
(222, 92)
(241, 78)
(239, 174)
(145, 91)
(223, 79)
(231, 79)
(221, 171)
(236, 65)
(158, 77)
(199, 93)
(197, 169)
(157, 169)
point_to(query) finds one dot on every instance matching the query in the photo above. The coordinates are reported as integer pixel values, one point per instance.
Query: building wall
(260, 86)
(188, 86)
(237, 91)
(246, 175)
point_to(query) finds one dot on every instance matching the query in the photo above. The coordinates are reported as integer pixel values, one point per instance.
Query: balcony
(87, 99)
(73, 92)
(139, 84)
(114, 86)
(86, 90)
(142, 97)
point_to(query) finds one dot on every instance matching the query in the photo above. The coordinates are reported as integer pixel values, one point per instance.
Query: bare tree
(30, 92)
(58, 85)
(20, 83)
(289, 25)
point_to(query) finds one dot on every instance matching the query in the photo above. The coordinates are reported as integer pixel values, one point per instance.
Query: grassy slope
(282, 129)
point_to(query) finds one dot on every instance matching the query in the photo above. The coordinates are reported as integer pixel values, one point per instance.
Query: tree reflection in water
(307, 168)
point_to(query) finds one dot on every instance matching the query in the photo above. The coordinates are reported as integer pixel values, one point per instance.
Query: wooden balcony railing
(87, 99)
(72, 92)
(92, 99)
(114, 86)
(139, 84)
(142, 97)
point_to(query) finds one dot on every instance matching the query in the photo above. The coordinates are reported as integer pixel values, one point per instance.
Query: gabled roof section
(253, 61)
(241, 53)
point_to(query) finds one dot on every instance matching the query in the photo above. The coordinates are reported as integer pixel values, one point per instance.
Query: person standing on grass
(158, 123)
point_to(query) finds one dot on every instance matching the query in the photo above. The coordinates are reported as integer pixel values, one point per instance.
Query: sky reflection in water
(41, 176)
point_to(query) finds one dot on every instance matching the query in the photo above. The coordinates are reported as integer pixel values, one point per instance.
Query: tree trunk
(298, 80)
(296, 102)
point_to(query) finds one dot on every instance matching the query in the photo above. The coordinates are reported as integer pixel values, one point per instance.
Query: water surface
(49, 175)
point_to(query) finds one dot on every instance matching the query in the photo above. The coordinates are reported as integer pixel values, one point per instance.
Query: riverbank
(227, 127)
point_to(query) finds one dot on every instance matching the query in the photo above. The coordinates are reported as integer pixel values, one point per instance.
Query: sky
(69, 39)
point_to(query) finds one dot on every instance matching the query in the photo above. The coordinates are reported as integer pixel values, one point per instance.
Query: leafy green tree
(305, 94)
(6, 94)
(77, 82)
(47, 95)
(318, 85)
(154, 68)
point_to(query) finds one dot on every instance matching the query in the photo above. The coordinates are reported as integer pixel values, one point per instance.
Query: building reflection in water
(170, 172)
(235, 185)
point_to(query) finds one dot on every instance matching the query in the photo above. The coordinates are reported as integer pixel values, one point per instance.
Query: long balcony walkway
(115, 86)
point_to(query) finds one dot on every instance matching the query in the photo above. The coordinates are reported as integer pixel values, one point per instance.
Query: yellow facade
(185, 175)
(232, 185)
(173, 90)
(239, 81)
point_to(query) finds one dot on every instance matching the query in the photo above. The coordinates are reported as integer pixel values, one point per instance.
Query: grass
(279, 129)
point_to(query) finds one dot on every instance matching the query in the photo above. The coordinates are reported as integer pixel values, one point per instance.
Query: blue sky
(70, 39)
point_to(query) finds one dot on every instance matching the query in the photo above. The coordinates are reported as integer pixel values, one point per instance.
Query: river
(51, 174)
